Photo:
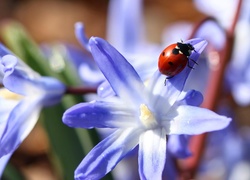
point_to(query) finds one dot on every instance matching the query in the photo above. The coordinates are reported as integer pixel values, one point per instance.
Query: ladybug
(175, 58)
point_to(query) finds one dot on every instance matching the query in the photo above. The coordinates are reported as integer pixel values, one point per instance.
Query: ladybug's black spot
(171, 63)
(163, 53)
(175, 51)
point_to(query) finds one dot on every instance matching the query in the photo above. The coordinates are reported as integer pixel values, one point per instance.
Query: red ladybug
(174, 59)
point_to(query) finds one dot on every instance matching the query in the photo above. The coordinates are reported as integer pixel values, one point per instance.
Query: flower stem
(80, 90)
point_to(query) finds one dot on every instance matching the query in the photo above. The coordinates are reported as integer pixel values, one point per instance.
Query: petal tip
(94, 39)
(79, 25)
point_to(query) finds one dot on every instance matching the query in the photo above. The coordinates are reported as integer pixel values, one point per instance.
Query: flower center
(146, 117)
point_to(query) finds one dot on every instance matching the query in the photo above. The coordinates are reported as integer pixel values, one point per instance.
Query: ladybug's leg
(193, 62)
(168, 77)
(190, 66)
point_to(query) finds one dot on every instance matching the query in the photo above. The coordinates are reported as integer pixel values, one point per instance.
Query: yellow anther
(146, 117)
(6, 94)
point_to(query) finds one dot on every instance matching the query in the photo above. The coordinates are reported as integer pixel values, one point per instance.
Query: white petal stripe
(152, 154)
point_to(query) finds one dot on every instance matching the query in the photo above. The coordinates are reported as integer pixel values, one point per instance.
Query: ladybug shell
(171, 64)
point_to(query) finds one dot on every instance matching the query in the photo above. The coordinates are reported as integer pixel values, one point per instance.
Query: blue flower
(31, 93)
(88, 71)
(237, 72)
(223, 11)
(128, 37)
(5, 108)
(141, 114)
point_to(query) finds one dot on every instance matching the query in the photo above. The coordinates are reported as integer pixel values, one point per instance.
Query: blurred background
(53, 20)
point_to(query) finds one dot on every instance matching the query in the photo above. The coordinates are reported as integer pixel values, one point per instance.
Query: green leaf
(11, 172)
(64, 141)
(16, 38)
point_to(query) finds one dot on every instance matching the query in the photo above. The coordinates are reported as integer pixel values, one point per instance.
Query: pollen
(4, 93)
(146, 117)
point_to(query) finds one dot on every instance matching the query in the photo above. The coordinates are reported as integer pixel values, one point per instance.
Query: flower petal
(216, 34)
(152, 154)
(198, 77)
(240, 92)
(4, 51)
(100, 115)
(129, 32)
(192, 97)
(3, 161)
(105, 155)
(104, 90)
(122, 77)
(19, 124)
(90, 73)
(178, 146)
(18, 77)
(81, 36)
(194, 120)
(170, 170)
(52, 88)
(6, 107)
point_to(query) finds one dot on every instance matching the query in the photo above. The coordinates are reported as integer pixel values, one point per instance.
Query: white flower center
(146, 117)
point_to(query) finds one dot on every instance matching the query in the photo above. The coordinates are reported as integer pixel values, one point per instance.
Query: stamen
(4, 93)
(146, 117)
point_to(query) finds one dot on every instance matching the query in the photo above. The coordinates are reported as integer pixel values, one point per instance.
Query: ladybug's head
(185, 48)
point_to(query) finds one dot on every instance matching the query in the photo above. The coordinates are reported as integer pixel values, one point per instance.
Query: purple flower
(5, 108)
(237, 73)
(88, 70)
(223, 10)
(125, 26)
(126, 32)
(31, 93)
(141, 114)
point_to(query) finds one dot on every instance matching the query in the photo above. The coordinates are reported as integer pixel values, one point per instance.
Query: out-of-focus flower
(223, 10)
(219, 159)
(31, 93)
(88, 70)
(125, 29)
(237, 72)
(126, 32)
(238, 69)
(79, 61)
(143, 115)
